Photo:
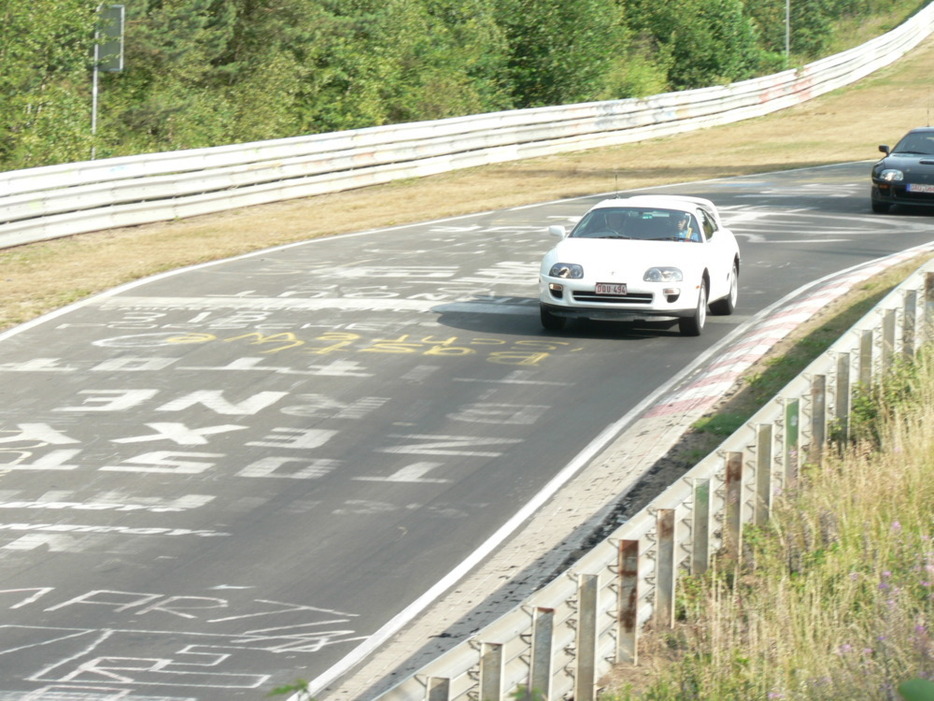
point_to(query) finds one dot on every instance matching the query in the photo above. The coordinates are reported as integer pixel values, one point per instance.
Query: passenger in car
(687, 231)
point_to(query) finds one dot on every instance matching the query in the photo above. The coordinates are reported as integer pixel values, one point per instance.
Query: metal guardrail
(74, 198)
(564, 637)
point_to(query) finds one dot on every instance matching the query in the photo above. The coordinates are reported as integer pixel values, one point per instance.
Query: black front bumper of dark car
(898, 193)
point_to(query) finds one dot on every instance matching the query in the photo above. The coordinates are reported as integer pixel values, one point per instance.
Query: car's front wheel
(880, 207)
(694, 324)
(725, 306)
(551, 321)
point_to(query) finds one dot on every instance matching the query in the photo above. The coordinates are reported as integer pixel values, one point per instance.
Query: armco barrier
(53, 201)
(563, 638)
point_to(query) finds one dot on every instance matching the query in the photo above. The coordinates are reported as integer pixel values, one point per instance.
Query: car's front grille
(920, 197)
(632, 298)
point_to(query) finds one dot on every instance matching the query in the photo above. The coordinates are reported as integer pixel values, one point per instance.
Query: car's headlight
(663, 274)
(891, 175)
(567, 270)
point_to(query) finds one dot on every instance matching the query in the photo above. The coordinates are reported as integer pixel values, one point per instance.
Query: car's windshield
(638, 223)
(916, 143)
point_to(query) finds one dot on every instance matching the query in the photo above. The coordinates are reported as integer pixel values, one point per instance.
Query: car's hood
(908, 162)
(618, 255)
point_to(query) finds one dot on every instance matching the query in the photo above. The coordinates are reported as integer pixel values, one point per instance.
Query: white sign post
(108, 55)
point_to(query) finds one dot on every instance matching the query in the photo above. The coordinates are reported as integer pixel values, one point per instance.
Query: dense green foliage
(210, 72)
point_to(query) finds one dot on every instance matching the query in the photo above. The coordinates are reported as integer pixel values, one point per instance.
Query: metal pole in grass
(763, 473)
(627, 649)
(585, 677)
(108, 56)
(928, 323)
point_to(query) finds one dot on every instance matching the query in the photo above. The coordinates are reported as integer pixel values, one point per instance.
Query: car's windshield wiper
(915, 153)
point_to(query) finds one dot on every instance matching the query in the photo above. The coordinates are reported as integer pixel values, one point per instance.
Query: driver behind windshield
(687, 230)
(616, 221)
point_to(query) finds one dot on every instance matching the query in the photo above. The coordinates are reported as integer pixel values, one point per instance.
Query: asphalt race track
(222, 479)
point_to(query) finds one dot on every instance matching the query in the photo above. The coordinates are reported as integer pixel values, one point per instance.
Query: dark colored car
(906, 174)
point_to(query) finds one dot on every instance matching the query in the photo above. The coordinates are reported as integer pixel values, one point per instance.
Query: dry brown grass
(846, 125)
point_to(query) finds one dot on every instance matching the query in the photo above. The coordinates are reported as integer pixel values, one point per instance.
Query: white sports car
(642, 257)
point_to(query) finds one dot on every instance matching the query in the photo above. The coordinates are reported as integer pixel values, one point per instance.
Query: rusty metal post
(842, 395)
(585, 678)
(665, 569)
(909, 323)
(437, 689)
(763, 473)
(818, 418)
(733, 518)
(491, 671)
(792, 430)
(543, 627)
(627, 639)
(700, 527)
(865, 359)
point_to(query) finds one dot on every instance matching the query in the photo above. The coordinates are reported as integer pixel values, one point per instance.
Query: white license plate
(611, 288)
(918, 187)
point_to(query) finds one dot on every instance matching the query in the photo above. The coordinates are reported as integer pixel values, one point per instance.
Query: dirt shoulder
(843, 126)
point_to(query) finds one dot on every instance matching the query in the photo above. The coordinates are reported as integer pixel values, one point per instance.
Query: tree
(562, 52)
(452, 64)
(168, 97)
(702, 42)
(45, 81)
(269, 59)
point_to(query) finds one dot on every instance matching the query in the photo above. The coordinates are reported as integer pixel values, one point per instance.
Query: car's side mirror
(885, 149)
(557, 230)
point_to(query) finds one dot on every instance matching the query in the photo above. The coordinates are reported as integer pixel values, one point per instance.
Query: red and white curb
(700, 394)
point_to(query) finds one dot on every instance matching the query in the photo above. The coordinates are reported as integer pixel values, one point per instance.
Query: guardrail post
(543, 626)
(928, 305)
(627, 642)
(842, 395)
(818, 418)
(700, 527)
(792, 429)
(733, 521)
(865, 358)
(585, 678)
(437, 689)
(763, 473)
(909, 323)
(491, 671)
(665, 569)
(888, 339)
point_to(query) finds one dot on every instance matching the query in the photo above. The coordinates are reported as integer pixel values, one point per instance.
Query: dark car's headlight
(663, 274)
(571, 271)
(891, 175)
